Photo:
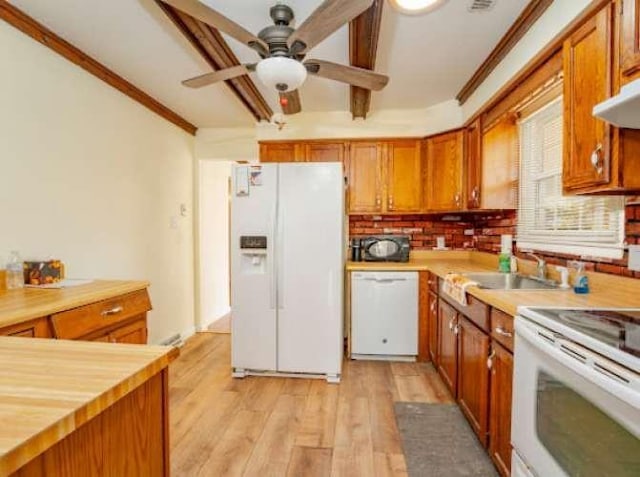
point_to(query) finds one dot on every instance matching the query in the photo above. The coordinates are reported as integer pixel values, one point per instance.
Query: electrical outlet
(634, 257)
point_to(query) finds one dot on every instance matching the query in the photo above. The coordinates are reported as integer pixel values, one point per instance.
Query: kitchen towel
(455, 285)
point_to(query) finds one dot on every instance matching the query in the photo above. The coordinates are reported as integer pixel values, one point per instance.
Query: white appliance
(384, 315)
(287, 266)
(623, 109)
(576, 396)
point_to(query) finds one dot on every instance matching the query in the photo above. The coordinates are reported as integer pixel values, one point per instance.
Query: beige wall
(213, 226)
(91, 177)
(558, 15)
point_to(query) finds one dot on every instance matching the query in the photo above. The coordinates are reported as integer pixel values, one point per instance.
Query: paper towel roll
(506, 243)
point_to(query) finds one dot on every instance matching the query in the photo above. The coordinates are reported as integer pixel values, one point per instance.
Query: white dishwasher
(384, 315)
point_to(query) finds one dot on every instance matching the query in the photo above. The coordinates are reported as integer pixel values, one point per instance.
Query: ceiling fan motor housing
(276, 35)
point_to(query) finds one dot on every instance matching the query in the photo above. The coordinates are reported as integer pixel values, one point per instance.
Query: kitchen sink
(510, 281)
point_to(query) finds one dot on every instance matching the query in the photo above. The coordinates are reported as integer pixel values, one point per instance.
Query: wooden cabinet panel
(134, 333)
(448, 345)
(281, 152)
(404, 176)
(500, 408)
(476, 310)
(502, 328)
(365, 178)
(93, 318)
(443, 186)
(433, 327)
(325, 151)
(630, 40)
(500, 170)
(587, 81)
(38, 328)
(473, 377)
(423, 317)
(473, 164)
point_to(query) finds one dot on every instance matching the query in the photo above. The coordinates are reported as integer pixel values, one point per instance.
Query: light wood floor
(289, 427)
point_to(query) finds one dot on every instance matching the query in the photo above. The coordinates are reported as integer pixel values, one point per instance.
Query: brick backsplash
(481, 231)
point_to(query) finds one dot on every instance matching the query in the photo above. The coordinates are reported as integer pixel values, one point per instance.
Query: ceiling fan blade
(211, 17)
(220, 75)
(347, 74)
(326, 19)
(290, 102)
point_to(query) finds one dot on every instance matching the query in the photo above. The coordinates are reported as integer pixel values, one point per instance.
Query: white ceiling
(429, 58)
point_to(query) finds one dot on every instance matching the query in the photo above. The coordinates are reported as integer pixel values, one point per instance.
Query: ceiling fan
(282, 49)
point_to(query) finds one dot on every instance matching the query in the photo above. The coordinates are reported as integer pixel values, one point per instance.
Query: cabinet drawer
(38, 328)
(502, 328)
(476, 310)
(89, 319)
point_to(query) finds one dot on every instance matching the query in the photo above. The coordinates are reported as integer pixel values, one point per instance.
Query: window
(548, 220)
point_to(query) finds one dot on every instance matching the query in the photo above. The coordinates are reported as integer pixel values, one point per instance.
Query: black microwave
(385, 248)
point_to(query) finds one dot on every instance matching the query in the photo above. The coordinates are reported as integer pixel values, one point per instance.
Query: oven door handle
(619, 383)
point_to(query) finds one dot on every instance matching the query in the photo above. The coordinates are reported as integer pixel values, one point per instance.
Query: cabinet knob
(596, 159)
(390, 202)
(112, 311)
(475, 196)
(433, 307)
(501, 331)
(457, 199)
(378, 201)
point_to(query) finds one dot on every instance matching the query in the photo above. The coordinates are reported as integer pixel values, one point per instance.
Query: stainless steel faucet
(541, 269)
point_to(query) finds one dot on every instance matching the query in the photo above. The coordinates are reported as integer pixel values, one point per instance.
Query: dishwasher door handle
(385, 280)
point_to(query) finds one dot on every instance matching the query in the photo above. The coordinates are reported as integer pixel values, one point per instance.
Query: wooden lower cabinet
(448, 345)
(473, 376)
(134, 333)
(433, 328)
(500, 408)
(129, 438)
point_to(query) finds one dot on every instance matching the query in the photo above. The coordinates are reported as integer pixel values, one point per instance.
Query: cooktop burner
(617, 328)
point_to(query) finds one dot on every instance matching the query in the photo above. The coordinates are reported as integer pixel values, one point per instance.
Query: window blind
(548, 220)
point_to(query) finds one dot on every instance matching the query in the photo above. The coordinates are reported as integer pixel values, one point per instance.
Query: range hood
(622, 110)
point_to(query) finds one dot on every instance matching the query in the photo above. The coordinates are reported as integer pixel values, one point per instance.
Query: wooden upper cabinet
(630, 40)
(588, 66)
(473, 377)
(404, 176)
(500, 408)
(500, 169)
(365, 177)
(281, 152)
(325, 152)
(443, 182)
(473, 163)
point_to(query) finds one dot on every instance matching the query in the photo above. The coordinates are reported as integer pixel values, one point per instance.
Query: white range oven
(576, 393)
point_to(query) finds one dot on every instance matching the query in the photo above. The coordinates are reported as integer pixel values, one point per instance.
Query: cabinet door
(325, 152)
(500, 408)
(404, 176)
(365, 174)
(38, 328)
(473, 163)
(443, 186)
(587, 82)
(448, 345)
(630, 39)
(473, 377)
(433, 327)
(135, 333)
(500, 165)
(281, 152)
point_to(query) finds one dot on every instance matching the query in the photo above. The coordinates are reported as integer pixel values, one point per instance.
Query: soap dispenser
(581, 284)
(564, 277)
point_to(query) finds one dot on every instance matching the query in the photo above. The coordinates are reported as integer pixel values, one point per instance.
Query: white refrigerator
(287, 268)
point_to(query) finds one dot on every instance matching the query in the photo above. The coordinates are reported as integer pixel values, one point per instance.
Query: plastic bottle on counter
(15, 271)
(581, 284)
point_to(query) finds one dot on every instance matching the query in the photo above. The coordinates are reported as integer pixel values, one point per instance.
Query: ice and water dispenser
(253, 250)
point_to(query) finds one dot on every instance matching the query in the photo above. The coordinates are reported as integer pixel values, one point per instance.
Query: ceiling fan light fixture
(416, 7)
(281, 74)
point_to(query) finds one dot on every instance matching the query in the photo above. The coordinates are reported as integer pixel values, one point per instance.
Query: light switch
(634, 257)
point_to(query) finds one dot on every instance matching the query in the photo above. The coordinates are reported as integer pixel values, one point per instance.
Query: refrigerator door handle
(280, 258)
(273, 284)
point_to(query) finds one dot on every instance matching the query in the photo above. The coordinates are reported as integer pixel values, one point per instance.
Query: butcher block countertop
(17, 306)
(49, 388)
(606, 290)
